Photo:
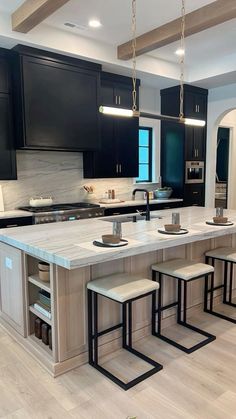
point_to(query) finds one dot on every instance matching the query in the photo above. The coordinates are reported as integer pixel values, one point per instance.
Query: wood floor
(201, 385)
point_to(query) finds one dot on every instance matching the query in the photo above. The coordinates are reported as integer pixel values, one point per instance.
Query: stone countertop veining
(137, 202)
(69, 244)
(14, 214)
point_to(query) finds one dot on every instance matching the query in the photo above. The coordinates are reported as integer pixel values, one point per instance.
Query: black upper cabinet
(7, 151)
(57, 104)
(195, 101)
(117, 90)
(118, 156)
(195, 104)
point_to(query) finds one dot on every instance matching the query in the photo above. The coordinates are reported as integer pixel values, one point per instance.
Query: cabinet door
(126, 132)
(190, 150)
(195, 105)
(12, 295)
(7, 152)
(195, 143)
(194, 195)
(107, 94)
(4, 75)
(123, 96)
(60, 105)
(200, 142)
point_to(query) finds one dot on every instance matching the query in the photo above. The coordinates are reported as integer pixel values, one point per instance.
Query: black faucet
(147, 213)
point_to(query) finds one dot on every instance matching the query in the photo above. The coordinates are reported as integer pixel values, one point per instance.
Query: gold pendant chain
(134, 75)
(182, 61)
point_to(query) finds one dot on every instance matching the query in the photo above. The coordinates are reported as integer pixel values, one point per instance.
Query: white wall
(229, 121)
(221, 100)
(60, 174)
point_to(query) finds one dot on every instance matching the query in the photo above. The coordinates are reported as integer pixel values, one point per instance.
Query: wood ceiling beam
(33, 12)
(206, 17)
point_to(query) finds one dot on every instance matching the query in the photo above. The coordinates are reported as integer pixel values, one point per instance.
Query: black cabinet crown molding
(116, 78)
(52, 56)
(187, 88)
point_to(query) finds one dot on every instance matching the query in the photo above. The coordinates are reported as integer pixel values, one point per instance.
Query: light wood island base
(69, 302)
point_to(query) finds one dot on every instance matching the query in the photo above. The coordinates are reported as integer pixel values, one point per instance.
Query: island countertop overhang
(69, 244)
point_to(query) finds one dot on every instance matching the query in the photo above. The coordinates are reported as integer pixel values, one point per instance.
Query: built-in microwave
(194, 172)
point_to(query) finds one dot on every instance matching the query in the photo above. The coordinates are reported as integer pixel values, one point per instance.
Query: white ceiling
(210, 55)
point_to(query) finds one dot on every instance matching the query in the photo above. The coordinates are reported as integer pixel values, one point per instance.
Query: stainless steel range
(64, 212)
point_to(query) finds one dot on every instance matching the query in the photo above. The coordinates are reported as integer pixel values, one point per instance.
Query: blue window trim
(149, 146)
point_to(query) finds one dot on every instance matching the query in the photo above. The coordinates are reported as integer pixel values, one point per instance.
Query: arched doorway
(221, 101)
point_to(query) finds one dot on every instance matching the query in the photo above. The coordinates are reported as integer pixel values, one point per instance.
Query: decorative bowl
(172, 227)
(220, 220)
(110, 239)
(163, 193)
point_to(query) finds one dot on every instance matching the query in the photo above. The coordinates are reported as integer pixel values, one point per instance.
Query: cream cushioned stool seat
(223, 253)
(182, 268)
(123, 289)
(227, 257)
(183, 271)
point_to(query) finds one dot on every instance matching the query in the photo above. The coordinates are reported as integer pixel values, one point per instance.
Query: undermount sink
(130, 218)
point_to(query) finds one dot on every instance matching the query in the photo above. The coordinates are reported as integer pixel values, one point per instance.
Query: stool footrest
(105, 331)
(216, 288)
(126, 386)
(221, 316)
(209, 338)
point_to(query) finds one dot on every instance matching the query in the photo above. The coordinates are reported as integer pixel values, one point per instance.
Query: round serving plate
(229, 223)
(100, 243)
(173, 233)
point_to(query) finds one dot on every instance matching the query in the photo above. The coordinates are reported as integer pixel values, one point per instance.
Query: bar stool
(183, 271)
(124, 289)
(228, 256)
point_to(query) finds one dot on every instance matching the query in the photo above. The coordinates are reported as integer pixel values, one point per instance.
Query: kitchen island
(74, 260)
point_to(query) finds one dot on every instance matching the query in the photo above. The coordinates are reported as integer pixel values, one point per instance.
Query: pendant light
(130, 113)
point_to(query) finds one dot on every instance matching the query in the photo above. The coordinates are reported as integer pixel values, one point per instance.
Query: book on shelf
(43, 309)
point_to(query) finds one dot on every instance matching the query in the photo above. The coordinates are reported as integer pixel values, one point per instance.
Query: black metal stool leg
(206, 293)
(90, 327)
(226, 299)
(182, 304)
(130, 324)
(159, 304)
(95, 304)
(126, 334)
(179, 307)
(124, 325)
(231, 283)
(225, 282)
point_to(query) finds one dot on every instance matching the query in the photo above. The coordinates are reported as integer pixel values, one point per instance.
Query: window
(145, 155)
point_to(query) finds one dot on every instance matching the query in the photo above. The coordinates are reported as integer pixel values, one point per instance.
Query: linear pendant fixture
(129, 113)
(134, 113)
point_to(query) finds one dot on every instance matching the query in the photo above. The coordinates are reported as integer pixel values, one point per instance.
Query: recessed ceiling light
(95, 23)
(180, 51)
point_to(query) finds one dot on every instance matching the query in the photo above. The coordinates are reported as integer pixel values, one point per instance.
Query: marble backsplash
(57, 174)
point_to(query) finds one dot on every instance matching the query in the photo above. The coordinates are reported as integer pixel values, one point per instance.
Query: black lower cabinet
(194, 194)
(7, 151)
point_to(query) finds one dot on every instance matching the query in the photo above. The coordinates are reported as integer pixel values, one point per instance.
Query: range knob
(90, 215)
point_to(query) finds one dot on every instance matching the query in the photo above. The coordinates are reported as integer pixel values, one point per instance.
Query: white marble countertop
(14, 214)
(69, 244)
(137, 202)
